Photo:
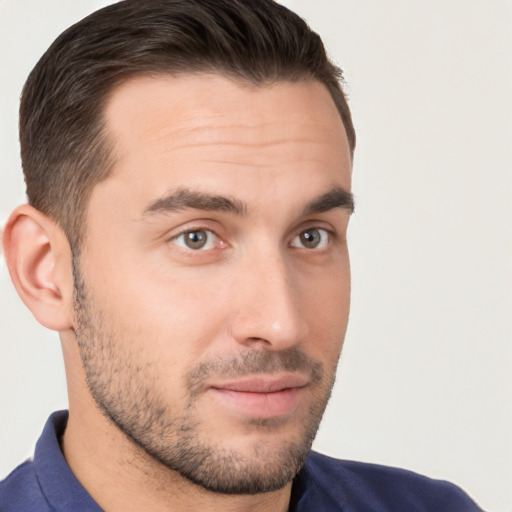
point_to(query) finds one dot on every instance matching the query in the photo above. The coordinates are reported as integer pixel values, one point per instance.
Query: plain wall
(425, 380)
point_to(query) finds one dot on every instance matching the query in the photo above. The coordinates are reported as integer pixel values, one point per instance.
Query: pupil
(310, 238)
(196, 239)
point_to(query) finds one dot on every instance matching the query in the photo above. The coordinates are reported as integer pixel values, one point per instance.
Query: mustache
(254, 362)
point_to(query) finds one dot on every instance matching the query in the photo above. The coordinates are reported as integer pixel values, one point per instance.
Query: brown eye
(196, 239)
(314, 238)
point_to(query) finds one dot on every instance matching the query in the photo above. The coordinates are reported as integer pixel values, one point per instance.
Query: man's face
(213, 287)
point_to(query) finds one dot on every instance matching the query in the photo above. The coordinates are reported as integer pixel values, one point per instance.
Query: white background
(425, 381)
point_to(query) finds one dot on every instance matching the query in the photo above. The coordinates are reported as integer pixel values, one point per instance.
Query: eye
(313, 238)
(196, 239)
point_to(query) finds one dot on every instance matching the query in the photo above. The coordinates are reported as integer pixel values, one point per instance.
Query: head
(196, 157)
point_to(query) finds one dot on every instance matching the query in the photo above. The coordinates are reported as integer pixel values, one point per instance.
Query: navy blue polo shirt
(46, 484)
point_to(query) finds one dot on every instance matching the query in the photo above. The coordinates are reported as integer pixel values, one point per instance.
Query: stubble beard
(126, 391)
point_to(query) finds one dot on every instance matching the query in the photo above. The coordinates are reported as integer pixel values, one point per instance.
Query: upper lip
(264, 383)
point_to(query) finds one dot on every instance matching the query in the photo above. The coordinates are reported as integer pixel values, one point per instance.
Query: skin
(154, 314)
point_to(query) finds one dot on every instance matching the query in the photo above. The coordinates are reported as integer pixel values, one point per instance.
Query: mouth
(262, 397)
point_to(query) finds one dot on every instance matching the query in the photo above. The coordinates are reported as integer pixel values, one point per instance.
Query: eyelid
(210, 243)
(197, 225)
(194, 224)
(330, 234)
(331, 227)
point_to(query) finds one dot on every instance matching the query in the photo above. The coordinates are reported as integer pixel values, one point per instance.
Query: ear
(39, 261)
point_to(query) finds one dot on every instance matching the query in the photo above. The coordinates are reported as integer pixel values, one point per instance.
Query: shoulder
(382, 488)
(20, 491)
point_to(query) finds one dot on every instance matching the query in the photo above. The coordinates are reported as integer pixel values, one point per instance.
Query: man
(188, 168)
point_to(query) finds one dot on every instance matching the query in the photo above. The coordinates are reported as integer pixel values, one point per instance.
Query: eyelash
(326, 238)
(208, 242)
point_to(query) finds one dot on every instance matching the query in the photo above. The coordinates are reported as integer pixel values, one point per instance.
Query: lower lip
(261, 405)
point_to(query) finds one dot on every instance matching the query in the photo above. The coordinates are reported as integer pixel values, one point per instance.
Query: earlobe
(39, 262)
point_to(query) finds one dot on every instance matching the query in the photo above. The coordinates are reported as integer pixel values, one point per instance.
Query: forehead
(208, 131)
(160, 106)
(216, 94)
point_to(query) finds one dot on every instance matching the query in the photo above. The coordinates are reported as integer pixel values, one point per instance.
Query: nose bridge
(269, 303)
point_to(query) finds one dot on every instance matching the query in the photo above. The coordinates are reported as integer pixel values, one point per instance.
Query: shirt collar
(60, 487)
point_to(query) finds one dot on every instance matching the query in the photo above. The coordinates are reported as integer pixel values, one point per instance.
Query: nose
(268, 305)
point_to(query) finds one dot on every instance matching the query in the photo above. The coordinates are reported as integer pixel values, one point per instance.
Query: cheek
(163, 318)
(325, 306)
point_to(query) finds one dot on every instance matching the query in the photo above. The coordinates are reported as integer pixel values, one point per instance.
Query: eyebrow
(337, 197)
(184, 198)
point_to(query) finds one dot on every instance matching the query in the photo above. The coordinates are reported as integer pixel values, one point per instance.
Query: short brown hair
(64, 148)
